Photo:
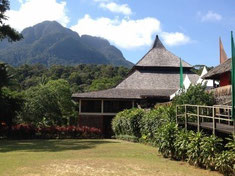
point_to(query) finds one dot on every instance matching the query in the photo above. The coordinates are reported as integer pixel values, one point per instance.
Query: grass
(88, 157)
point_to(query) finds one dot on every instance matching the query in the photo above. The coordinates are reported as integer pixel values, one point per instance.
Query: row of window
(110, 106)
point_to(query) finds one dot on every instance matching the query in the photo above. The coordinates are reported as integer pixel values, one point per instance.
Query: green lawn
(88, 157)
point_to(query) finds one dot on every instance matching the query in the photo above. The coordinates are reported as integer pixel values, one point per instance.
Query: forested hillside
(50, 43)
(81, 78)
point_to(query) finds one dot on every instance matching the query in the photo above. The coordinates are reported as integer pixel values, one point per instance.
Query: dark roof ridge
(158, 44)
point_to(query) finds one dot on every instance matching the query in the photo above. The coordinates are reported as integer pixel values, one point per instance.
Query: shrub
(127, 122)
(181, 144)
(195, 95)
(225, 161)
(166, 137)
(22, 131)
(194, 149)
(211, 145)
(26, 131)
(151, 121)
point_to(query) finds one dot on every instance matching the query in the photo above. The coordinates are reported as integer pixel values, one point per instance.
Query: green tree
(5, 30)
(195, 95)
(9, 101)
(104, 83)
(10, 104)
(49, 104)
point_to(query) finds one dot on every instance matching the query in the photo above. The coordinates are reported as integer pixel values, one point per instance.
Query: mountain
(50, 43)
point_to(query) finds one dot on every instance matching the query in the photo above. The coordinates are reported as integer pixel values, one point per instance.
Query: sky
(188, 28)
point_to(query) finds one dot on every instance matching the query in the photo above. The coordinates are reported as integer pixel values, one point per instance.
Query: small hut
(152, 80)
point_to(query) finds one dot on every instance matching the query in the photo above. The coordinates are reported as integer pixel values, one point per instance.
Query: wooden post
(185, 116)
(206, 112)
(214, 122)
(133, 103)
(198, 118)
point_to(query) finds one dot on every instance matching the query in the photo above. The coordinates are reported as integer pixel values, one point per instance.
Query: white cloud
(116, 8)
(124, 33)
(175, 38)
(210, 16)
(32, 12)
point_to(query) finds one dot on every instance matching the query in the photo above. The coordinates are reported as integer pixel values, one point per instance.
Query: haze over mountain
(50, 43)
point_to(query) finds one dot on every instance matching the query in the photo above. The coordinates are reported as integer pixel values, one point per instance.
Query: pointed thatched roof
(155, 75)
(159, 56)
(218, 70)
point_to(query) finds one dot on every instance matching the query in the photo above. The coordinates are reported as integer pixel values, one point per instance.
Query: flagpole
(181, 75)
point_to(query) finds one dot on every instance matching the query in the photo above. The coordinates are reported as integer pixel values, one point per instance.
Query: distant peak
(157, 43)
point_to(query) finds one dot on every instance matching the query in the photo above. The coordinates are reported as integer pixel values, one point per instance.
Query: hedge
(26, 131)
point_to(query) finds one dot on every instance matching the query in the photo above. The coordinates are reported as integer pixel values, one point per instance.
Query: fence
(215, 118)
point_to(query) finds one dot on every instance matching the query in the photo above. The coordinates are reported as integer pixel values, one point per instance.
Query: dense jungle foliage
(41, 96)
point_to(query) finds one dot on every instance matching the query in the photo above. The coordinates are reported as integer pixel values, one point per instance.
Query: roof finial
(223, 55)
(157, 43)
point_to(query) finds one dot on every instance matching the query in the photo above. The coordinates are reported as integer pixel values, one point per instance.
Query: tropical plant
(225, 161)
(194, 150)
(127, 122)
(166, 138)
(195, 95)
(181, 144)
(151, 121)
(211, 146)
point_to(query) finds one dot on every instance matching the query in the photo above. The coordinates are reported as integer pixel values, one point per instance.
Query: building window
(114, 106)
(91, 106)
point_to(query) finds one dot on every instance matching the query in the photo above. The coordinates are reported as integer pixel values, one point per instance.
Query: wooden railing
(217, 117)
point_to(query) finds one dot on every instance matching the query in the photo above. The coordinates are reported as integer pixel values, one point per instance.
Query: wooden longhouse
(152, 80)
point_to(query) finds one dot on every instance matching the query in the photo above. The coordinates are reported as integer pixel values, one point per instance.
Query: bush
(25, 131)
(225, 161)
(151, 121)
(211, 146)
(68, 132)
(22, 131)
(166, 138)
(127, 122)
(195, 95)
(181, 145)
(194, 150)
